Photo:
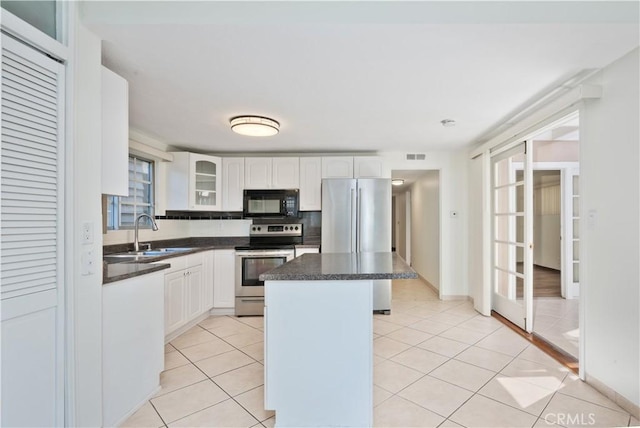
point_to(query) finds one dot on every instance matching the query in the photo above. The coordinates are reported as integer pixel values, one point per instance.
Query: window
(122, 211)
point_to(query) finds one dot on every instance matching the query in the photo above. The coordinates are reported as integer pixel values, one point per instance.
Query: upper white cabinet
(232, 183)
(115, 134)
(272, 173)
(370, 167)
(310, 184)
(337, 167)
(193, 182)
(286, 173)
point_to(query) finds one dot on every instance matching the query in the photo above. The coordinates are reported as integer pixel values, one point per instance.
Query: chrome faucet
(154, 227)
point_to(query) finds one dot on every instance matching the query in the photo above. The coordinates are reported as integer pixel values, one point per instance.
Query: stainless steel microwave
(270, 203)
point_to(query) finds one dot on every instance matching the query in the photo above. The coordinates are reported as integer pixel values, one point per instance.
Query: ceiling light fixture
(447, 123)
(397, 181)
(254, 126)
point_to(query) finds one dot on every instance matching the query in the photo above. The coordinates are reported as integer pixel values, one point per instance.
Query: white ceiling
(348, 76)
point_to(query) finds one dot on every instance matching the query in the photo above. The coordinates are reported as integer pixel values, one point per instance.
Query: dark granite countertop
(335, 266)
(119, 271)
(116, 270)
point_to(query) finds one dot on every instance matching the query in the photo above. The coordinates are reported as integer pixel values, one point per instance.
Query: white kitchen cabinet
(194, 292)
(272, 173)
(232, 183)
(132, 344)
(224, 294)
(185, 290)
(194, 182)
(337, 167)
(115, 134)
(257, 173)
(310, 184)
(370, 167)
(208, 269)
(174, 292)
(286, 173)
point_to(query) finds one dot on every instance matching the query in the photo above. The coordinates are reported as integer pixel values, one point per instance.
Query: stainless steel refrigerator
(356, 217)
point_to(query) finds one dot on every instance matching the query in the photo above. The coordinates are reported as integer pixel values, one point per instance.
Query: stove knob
(259, 229)
(286, 228)
(253, 228)
(296, 227)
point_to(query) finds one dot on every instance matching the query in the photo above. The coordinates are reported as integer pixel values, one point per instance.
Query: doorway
(535, 205)
(416, 227)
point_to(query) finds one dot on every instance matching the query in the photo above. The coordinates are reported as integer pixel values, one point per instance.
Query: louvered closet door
(31, 240)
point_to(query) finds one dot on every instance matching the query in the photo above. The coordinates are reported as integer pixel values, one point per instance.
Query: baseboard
(142, 403)
(612, 395)
(169, 337)
(222, 311)
(430, 285)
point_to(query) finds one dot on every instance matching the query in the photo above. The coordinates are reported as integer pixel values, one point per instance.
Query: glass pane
(205, 197)
(509, 257)
(205, 182)
(576, 187)
(519, 197)
(506, 284)
(253, 267)
(503, 173)
(576, 207)
(41, 14)
(576, 229)
(576, 272)
(576, 250)
(503, 200)
(204, 167)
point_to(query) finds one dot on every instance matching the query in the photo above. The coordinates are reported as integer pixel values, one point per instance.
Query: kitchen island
(319, 337)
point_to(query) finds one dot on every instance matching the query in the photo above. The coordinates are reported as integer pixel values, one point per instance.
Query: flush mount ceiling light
(397, 181)
(448, 123)
(254, 126)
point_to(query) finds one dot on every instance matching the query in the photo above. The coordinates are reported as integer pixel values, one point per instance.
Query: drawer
(195, 259)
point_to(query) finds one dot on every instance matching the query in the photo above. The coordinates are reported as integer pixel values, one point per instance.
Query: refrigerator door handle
(354, 217)
(359, 222)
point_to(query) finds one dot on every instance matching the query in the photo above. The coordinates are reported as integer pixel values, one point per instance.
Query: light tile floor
(556, 320)
(437, 364)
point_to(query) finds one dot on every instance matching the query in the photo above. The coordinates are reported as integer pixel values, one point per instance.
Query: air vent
(416, 156)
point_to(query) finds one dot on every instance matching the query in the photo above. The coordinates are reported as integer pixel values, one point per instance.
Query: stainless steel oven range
(270, 246)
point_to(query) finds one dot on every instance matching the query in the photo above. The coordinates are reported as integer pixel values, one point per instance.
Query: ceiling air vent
(416, 156)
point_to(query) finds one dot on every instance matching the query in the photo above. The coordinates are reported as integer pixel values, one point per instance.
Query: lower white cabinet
(188, 289)
(224, 294)
(132, 344)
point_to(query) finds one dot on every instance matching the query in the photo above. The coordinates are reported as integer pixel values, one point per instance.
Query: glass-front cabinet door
(205, 173)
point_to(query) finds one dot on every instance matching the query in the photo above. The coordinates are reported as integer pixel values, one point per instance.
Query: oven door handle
(264, 253)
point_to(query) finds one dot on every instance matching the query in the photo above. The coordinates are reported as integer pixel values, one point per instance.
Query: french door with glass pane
(512, 234)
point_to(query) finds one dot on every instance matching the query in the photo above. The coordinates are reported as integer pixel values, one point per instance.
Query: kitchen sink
(164, 251)
(134, 256)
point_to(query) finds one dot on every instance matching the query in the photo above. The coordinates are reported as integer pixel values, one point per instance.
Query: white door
(571, 247)
(512, 234)
(32, 244)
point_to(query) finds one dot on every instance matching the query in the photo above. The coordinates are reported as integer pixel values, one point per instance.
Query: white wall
(401, 224)
(609, 160)
(173, 229)
(481, 297)
(453, 197)
(84, 184)
(425, 227)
